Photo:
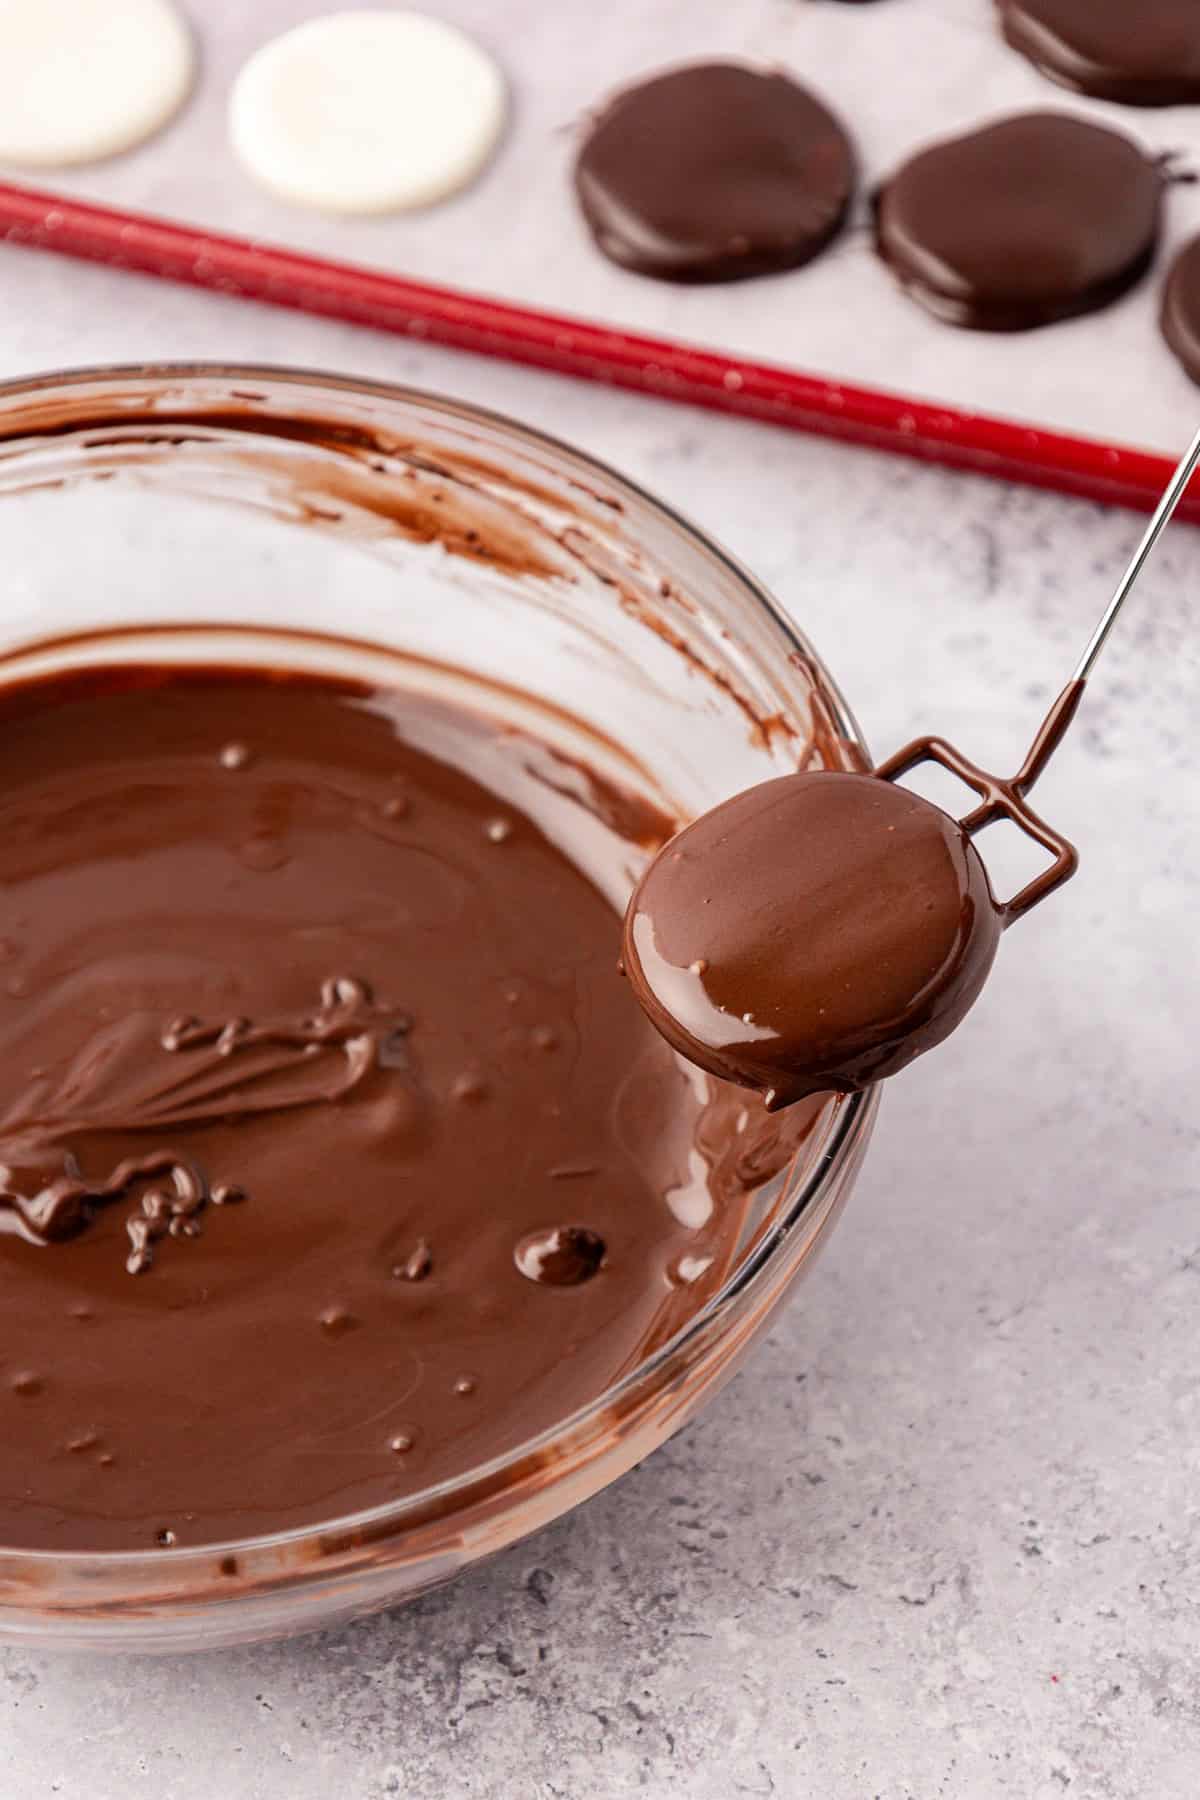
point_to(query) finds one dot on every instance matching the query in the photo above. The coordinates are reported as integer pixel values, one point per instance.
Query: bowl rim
(855, 1112)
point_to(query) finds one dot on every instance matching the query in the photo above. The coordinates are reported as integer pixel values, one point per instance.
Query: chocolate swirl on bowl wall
(372, 485)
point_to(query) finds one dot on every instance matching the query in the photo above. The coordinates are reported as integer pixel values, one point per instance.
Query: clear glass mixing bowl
(196, 510)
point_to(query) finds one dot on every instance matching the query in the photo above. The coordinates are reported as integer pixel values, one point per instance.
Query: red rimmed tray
(591, 351)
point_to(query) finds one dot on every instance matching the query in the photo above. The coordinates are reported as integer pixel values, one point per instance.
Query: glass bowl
(189, 511)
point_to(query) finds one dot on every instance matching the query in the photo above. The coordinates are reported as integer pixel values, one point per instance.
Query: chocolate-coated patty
(1021, 222)
(714, 172)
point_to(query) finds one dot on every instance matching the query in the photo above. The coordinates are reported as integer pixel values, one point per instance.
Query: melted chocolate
(1143, 52)
(714, 172)
(1180, 314)
(1020, 223)
(771, 942)
(259, 946)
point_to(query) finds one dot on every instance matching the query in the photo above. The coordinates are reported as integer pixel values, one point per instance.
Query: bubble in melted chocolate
(336, 1321)
(469, 1087)
(560, 1256)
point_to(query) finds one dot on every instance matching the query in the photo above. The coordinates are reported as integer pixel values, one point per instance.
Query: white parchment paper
(900, 73)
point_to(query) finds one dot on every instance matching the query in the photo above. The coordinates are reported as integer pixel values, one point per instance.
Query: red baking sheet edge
(593, 352)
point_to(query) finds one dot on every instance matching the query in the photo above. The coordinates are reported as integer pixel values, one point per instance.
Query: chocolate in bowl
(189, 515)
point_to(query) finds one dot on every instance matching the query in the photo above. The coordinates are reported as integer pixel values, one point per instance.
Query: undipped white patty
(364, 112)
(82, 79)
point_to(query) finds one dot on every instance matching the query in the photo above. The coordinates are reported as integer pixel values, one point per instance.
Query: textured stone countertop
(940, 1536)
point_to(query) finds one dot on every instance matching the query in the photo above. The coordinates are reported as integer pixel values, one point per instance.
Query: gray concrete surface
(939, 1538)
